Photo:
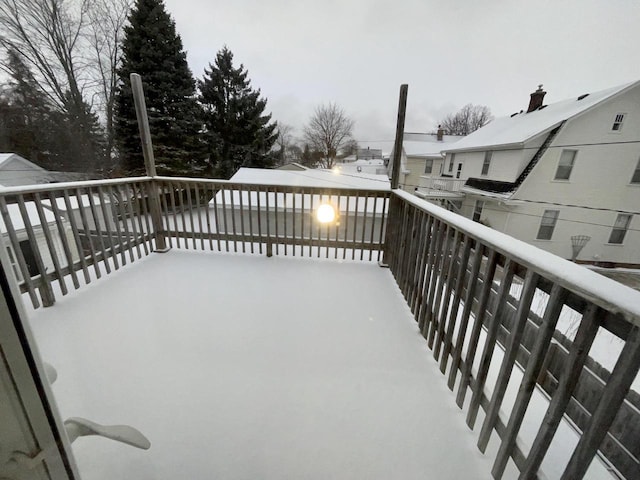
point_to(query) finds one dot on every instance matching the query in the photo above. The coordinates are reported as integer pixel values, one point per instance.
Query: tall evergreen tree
(238, 133)
(152, 48)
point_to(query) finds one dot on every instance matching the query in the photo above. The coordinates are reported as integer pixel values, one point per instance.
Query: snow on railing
(456, 276)
(54, 231)
(274, 219)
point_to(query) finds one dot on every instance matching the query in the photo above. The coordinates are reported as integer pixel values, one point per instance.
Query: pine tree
(152, 48)
(238, 133)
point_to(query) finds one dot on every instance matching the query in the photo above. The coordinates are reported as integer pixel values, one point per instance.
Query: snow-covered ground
(252, 367)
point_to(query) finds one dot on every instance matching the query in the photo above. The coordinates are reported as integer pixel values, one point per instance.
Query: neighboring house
(557, 174)
(248, 206)
(16, 170)
(367, 167)
(421, 156)
(19, 226)
(369, 154)
(292, 166)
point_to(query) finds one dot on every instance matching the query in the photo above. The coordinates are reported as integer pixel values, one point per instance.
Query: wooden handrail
(457, 276)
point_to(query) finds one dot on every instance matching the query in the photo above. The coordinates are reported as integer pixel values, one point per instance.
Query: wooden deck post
(397, 145)
(395, 170)
(149, 162)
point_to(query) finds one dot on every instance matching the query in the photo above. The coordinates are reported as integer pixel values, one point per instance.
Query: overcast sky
(357, 53)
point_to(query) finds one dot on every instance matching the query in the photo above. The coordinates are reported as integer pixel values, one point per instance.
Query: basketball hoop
(577, 244)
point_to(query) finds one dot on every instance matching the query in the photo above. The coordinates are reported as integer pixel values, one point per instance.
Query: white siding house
(421, 156)
(559, 172)
(26, 248)
(249, 206)
(15, 170)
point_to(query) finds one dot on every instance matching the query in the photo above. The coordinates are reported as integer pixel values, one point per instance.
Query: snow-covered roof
(426, 144)
(517, 129)
(73, 202)
(311, 178)
(308, 178)
(5, 157)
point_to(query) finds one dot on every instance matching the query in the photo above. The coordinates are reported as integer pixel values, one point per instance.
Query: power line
(488, 147)
(559, 219)
(541, 202)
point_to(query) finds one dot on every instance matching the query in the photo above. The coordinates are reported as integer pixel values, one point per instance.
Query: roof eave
(502, 146)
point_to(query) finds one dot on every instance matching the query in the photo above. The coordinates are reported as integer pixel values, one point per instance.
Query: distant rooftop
(426, 144)
(520, 127)
(311, 178)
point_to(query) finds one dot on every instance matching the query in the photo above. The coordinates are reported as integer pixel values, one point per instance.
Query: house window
(620, 228)
(451, 160)
(547, 224)
(635, 178)
(477, 210)
(487, 162)
(459, 171)
(617, 122)
(428, 166)
(565, 165)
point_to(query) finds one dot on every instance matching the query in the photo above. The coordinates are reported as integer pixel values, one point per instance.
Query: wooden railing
(439, 184)
(271, 219)
(69, 232)
(468, 286)
(81, 231)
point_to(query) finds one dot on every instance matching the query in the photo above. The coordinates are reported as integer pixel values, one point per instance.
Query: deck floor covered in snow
(247, 367)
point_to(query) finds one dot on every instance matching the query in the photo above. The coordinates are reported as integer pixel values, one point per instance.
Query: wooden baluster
(514, 341)
(50, 245)
(534, 365)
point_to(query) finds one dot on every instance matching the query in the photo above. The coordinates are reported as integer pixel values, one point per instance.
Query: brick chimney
(536, 99)
(440, 133)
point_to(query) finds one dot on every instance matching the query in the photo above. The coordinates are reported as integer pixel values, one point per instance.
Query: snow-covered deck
(247, 367)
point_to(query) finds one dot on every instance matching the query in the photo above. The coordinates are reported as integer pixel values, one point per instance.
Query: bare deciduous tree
(328, 130)
(107, 19)
(284, 142)
(72, 48)
(468, 119)
(48, 34)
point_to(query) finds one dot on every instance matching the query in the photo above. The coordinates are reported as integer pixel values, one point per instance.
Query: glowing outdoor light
(325, 213)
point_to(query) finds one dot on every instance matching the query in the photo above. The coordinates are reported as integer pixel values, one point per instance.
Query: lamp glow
(325, 213)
